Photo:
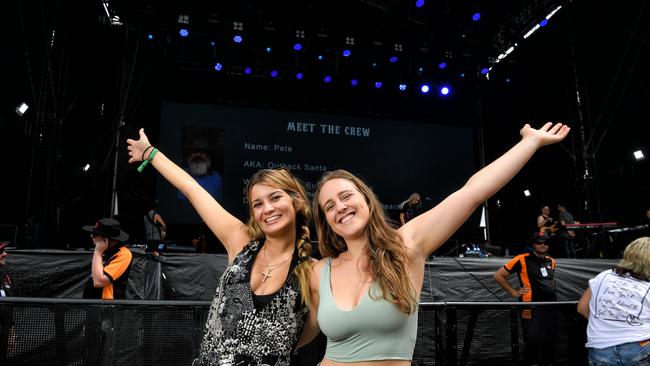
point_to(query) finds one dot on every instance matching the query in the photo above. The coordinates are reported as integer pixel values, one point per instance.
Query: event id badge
(544, 272)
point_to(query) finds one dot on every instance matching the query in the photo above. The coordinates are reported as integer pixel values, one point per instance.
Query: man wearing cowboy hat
(111, 261)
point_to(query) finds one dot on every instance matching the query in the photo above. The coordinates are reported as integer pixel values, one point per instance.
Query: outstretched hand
(137, 147)
(547, 134)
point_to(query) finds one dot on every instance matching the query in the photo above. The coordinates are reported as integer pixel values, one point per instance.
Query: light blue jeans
(633, 354)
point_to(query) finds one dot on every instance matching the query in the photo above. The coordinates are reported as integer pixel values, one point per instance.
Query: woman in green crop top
(369, 267)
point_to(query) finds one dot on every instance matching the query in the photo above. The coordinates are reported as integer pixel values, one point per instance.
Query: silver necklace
(269, 268)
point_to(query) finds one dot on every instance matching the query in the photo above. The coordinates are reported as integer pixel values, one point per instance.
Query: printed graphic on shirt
(621, 299)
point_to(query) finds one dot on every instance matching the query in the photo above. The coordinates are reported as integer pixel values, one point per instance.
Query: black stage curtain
(194, 276)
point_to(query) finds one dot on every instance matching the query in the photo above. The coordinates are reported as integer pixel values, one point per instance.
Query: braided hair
(283, 179)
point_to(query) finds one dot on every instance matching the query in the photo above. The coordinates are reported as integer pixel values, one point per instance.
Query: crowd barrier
(39, 331)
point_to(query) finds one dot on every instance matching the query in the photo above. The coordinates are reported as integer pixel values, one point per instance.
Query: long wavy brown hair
(284, 180)
(386, 252)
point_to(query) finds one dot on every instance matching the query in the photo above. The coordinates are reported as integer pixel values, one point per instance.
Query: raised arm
(425, 233)
(230, 230)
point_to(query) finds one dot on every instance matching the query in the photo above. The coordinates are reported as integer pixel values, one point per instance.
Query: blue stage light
(274, 73)
(150, 36)
(543, 22)
(327, 79)
(445, 90)
(299, 76)
(484, 71)
(393, 59)
(476, 17)
(248, 71)
(218, 66)
(212, 43)
(378, 84)
(184, 32)
(237, 39)
(424, 88)
(419, 3)
(347, 53)
(354, 82)
(402, 87)
(297, 47)
(268, 49)
(442, 65)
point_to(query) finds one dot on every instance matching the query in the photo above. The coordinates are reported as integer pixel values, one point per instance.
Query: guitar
(551, 229)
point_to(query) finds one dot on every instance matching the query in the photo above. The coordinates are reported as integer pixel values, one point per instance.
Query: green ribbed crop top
(374, 330)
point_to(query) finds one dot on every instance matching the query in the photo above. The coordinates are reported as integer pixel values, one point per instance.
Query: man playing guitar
(545, 222)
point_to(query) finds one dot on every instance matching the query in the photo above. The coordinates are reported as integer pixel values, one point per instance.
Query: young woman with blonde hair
(617, 304)
(260, 306)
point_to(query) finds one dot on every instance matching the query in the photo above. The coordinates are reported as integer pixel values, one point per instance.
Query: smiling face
(345, 208)
(273, 209)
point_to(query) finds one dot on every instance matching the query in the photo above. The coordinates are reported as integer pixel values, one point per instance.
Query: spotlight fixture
(22, 108)
(86, 167)
(237, 26)
(638, 155)
(527, 193)
(445, 90)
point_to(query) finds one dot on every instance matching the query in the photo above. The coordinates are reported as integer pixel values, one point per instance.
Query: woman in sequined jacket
(369, 267)
(260, 306)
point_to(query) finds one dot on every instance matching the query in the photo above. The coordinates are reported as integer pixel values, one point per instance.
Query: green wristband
(146, 162)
